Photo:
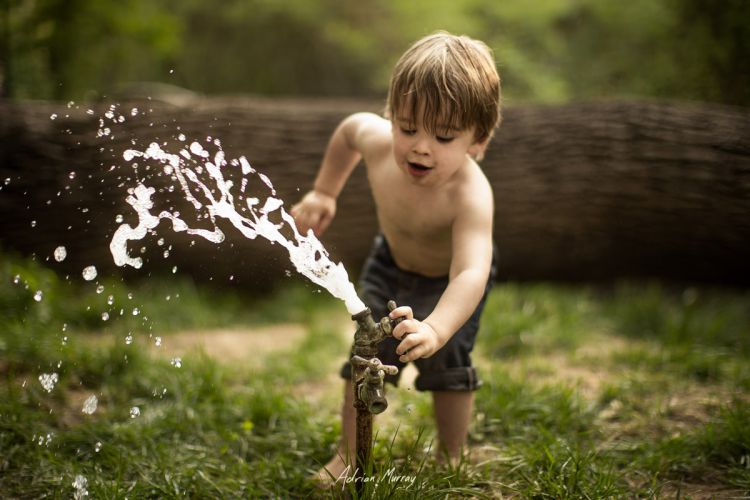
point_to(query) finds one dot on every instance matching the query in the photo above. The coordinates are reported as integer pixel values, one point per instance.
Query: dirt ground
(246, 346)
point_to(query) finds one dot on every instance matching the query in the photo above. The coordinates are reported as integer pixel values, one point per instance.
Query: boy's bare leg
(453, 410)
(337, 466)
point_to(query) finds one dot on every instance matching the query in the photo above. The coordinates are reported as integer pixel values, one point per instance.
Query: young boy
(434, 208)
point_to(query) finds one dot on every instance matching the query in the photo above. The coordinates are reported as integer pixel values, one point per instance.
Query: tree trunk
(583, 192)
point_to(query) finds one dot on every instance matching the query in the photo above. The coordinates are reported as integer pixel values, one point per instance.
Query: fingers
(323, 224)
(315, 211)
(305, 220)
(410, 349)
(405, 327)
(402, 312)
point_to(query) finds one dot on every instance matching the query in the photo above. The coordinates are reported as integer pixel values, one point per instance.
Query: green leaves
(548, 51)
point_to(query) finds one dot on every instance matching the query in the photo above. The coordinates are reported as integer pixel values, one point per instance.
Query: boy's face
(430, 159)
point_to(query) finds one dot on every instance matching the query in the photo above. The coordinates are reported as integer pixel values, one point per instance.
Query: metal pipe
(368, 375)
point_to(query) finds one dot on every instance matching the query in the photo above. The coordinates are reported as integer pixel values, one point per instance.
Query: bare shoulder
(370, 134)
(474, 193)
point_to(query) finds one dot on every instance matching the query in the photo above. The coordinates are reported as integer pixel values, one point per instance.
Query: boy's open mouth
(417, 169)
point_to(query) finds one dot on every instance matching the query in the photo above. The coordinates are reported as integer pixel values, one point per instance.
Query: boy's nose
(421, 145)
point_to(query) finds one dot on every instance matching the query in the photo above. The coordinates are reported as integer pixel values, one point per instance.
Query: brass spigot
(368, 374)
(369, 334)
(370, 390)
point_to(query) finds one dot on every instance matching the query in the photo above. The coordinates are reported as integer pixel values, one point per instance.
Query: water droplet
(181, 137)
(118, 218)
(136, 311)
(174, 269)
(72, 175)
(53, 116)
(44, 439)
(48, 381)
(38, 296)
(98, 446)
(129, 339)
(80, 483)
(166, 253)
(89, 406)
(89, 273)
(134, 412)
(99, 288)
(60, 253)
(16, 278)
(157, 341)
(160, 241)
(33, 223)
(134, 112)
(105, 316)
(176, 362)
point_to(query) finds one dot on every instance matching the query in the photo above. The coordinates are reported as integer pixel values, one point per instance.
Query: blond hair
(449, 82)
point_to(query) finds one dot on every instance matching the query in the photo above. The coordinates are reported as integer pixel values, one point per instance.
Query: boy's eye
(408, 131)
(444, 139)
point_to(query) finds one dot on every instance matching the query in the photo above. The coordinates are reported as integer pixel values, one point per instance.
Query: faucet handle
(393, 322)
(391, 306)
(374, 365)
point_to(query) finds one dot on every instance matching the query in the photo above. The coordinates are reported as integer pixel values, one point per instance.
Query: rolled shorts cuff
(462, 378)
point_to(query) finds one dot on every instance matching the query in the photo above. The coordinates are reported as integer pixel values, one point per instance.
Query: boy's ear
(477, 149)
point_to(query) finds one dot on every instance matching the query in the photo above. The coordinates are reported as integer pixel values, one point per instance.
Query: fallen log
(584, 192)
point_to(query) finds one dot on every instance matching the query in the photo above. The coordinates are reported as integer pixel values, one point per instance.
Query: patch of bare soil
(247, 346)
(701, 492)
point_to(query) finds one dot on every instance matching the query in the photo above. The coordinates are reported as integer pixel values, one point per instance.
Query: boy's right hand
(315, 211)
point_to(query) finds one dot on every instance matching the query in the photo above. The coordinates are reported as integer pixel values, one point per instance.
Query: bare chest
(417, 222)
(410, 209)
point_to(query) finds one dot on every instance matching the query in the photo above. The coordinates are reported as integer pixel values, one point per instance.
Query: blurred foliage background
(548, 50)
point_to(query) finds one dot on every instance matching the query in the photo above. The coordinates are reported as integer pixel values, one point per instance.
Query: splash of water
(80, 485)
(305, 251)
(89, 273)
(60, 253)
(48, 381)
(89, 406)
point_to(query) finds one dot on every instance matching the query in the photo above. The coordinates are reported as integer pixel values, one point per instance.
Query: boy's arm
(318, 207)
(470, 268)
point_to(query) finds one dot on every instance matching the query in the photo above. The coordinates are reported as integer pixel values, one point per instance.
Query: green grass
(638, 390)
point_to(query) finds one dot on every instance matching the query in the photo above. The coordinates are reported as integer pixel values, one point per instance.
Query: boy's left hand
(418, 339)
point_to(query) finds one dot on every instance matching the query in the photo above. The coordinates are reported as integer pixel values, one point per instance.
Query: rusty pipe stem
(367, 382)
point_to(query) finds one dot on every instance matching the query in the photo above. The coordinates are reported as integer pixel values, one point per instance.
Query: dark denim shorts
(449, 369)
